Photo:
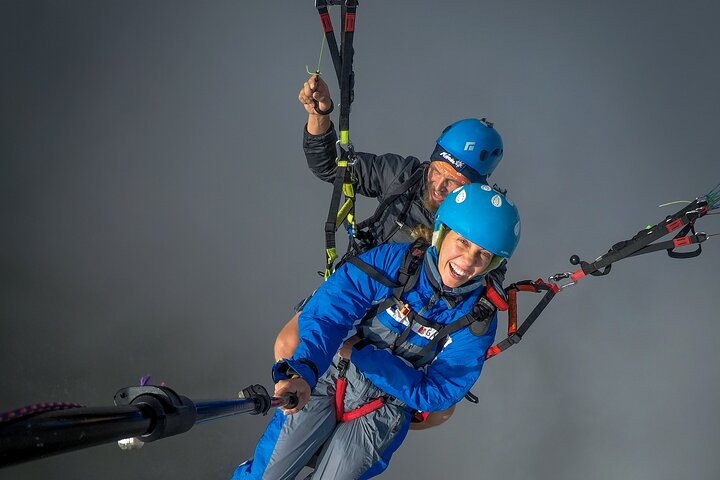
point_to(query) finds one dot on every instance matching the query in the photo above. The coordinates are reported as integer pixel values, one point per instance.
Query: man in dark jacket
(467, 152)
(409, 191)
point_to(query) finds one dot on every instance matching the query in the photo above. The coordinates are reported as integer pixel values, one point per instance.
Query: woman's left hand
(346, 350)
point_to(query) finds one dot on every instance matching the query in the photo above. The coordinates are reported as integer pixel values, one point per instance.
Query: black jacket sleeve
(377, 174)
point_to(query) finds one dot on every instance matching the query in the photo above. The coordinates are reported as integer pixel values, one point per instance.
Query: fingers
(296, 386)
(314, 90)
(302, 399)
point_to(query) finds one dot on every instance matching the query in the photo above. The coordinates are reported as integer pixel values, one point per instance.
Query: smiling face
(460, 260)
(441, 180)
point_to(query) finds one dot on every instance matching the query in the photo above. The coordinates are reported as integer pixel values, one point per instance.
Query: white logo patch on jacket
(425, 332)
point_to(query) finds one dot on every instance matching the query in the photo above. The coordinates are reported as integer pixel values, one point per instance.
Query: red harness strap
(340, 385)
(515, 333)
(341, 414)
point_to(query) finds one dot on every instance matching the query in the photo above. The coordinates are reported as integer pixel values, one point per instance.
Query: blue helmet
(473, 147)
(482, 215)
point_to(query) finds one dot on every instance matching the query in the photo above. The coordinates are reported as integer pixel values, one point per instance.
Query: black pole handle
(291, 400)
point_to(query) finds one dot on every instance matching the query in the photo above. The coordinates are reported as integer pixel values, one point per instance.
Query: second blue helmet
(473, 147)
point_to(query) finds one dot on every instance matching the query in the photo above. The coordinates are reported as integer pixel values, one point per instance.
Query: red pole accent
(350, 22)
(674, 225)
(492, 351)
(577, 275)
(682, 241)
(326, 22)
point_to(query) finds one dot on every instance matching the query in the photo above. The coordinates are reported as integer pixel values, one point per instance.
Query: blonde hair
(422, 232)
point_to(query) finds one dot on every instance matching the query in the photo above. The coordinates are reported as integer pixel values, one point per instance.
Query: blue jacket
(341, 303)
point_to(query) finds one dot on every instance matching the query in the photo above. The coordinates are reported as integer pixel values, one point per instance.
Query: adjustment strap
(340, 387)
(516, 333)
(329, 35)
(372, 272)
(343, 69)
(387, 201)
(645, 237)
(402, 338)
(410, 268)
(331, 222)
(451, 328)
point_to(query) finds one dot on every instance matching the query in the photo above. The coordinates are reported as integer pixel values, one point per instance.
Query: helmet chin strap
(494, 263)
(438, 236)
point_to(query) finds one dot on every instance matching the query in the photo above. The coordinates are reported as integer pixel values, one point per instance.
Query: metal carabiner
(352, 158)
(560, 276)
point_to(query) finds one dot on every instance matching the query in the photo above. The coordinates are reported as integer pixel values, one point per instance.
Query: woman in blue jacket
(419, 325)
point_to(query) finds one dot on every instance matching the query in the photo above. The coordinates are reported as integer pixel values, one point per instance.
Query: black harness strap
(410, 269)
(682, 239)
(321, 6)
(370, 271)
(331, 223)
(516, 333)
(344, 176)
(412, 181)
(479, 320)
(682, 220)
(400, 220)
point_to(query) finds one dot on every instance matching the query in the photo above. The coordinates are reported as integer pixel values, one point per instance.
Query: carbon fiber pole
(147, 413)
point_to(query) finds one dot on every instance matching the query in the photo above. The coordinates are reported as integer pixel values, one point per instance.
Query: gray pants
(360, 448)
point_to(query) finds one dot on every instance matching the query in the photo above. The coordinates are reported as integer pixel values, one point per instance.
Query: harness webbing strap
(677, 242)
(340, 387)
(329, 35)
(373, 273)
(341, 415)
(346, 74)
(331, 222)
(344, 177)
(400, 220)
(681, 220)
(516, 333)
(409, 271)
(387, 201)
(400, 339)
(480, 315)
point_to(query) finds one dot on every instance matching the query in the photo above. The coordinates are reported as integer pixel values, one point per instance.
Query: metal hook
(560, 276)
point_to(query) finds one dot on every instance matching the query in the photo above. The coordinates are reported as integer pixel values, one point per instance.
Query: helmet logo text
(457, 164)
(469, 146)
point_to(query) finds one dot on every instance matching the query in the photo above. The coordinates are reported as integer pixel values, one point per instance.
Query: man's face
(441, 180)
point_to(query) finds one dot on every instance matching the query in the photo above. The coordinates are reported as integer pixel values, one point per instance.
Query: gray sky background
(158, 217)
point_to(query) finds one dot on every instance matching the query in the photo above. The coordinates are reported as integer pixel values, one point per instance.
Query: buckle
(514, 338)
(352, 157)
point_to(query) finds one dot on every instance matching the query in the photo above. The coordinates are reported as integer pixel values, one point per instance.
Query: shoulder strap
(478, 319)
(372, 272)
(410, 269)
(412, 181)
(407, 273)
